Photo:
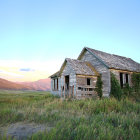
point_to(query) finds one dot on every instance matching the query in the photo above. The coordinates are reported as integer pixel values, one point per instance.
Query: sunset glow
(36, 36)
(27, 71)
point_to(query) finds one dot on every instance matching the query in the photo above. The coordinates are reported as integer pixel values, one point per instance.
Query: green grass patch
(72, 119)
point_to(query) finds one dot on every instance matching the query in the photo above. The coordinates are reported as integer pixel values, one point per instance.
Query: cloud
(26, 69)
(19, 70)
(10, 73)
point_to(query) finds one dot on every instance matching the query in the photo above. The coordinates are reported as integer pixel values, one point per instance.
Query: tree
(99, 86)
(116, 90)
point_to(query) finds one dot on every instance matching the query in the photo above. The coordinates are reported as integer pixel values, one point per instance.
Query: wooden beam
(81, 54)
(125, 71)
(69, 91)
(73, 90)
(76, 91)
(64, 91)
(92, 68)
(62, 67)
(88, 76)
(61, 91)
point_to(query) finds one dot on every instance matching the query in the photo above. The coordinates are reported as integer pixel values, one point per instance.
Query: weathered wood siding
(101, 68)
(72, 76)
(54, 91)
(82, 83)
(51, 84)
(117, 75)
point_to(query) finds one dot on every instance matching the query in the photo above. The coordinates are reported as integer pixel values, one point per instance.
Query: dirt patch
(22, 131)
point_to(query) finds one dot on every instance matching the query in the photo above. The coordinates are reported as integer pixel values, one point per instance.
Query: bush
(99, 86)
(127, 90)
(136, 82)
(116, 90)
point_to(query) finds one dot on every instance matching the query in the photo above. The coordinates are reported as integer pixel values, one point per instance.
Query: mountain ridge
(42, 84)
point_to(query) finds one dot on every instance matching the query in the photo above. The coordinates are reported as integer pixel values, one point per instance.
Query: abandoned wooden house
(77, 78)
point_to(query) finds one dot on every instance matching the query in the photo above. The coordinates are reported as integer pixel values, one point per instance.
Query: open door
(67, 82)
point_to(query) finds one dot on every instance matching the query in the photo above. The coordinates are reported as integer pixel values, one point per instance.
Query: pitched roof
(82, 67)
(57, 74)
(79, 67)
(116, 61)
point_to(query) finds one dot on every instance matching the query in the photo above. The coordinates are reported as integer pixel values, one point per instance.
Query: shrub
(127, 90)
(116, 90)
(99, 86)
(136, 82)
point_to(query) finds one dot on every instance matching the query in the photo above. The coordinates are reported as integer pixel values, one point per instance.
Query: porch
(81, 92)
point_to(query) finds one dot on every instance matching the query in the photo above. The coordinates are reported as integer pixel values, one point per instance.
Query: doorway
(67, 82)
(121, 80)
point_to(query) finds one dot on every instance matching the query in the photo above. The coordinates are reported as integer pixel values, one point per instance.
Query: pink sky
(20, 71)
(36, 36)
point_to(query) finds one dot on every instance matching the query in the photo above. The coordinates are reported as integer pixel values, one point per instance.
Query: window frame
(127, 78)
(88, 81)
(124, 79)
(57, 84)
(121, 79)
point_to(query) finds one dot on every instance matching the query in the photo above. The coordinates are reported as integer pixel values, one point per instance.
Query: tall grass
(72, 119)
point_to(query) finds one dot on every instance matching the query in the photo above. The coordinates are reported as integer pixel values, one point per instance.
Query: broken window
(67, 82)
(91, 89)
(79, 88)
(127, 80)
(57, 83)
(85, 89)
(121, 80)
(88, 81)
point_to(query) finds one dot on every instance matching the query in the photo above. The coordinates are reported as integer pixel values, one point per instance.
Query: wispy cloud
(10, 73)
(50, 66)
(17, 70)
(26, 69)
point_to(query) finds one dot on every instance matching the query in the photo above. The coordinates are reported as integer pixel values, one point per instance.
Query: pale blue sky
(46, 30)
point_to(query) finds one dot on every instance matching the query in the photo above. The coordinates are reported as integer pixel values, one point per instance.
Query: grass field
(72, 119)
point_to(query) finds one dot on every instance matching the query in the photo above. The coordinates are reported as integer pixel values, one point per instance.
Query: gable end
(86, 49)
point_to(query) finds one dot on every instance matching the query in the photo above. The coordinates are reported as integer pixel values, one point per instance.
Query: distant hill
(5, 84)
(42, 84)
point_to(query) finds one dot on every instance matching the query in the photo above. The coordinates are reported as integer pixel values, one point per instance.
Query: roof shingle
(81, 67)
(116, 61)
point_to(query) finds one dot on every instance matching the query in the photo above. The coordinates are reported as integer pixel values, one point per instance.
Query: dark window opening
(91, 89)
(85, 89)
(79, 88)
(88, 81)
(67, 82)
(54, 84)
(57, 83)
(121, 80)
(127, 79)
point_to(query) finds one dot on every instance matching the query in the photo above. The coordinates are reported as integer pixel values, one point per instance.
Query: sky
(37, 35)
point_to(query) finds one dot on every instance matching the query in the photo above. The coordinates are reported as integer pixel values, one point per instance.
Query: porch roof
(57, 74)
(81, 67)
